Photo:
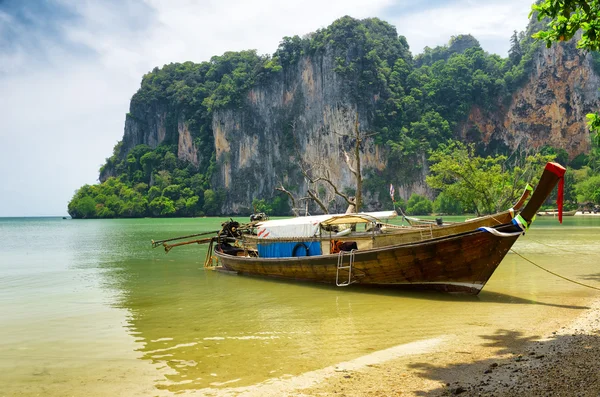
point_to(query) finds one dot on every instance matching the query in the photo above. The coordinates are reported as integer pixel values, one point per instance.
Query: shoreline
(560, 362)
(564, 363)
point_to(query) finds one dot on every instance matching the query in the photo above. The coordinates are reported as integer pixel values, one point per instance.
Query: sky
(68, 68)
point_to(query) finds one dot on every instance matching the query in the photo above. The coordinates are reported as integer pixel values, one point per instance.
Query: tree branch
(313, 196)
(354, 172)
(291, 196)
(335, 189)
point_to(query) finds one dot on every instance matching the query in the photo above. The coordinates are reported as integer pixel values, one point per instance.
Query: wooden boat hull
(458, 263)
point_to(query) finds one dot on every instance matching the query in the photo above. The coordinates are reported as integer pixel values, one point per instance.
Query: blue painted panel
(287, 250)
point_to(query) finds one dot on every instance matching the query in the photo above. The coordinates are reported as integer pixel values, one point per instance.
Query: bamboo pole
(159, 242)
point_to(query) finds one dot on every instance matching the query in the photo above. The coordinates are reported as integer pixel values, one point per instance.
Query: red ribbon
(559, 197)
(559, 171)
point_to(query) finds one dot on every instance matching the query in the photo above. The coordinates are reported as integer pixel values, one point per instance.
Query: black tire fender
(297, 246)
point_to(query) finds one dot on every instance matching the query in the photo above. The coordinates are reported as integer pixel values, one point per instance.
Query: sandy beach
(562, 362)
(559, 358)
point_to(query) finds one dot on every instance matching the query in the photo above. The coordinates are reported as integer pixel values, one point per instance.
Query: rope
(498, 222)
(555, 247)
(555, 274)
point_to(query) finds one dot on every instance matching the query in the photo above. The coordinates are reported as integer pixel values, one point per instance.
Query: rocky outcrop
(150, 127)
(145, 126)
(186, 149)
(302, 117)
(549, 109)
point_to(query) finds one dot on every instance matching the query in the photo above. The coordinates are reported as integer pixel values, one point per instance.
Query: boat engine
(230, 228)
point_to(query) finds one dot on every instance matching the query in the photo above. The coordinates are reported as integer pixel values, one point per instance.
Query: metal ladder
(427, 232)
(340, 266)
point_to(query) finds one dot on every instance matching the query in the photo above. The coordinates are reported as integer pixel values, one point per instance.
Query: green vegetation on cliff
(414, 105)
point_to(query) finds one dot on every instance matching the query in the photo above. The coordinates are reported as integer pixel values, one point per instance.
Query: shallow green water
(88, 308)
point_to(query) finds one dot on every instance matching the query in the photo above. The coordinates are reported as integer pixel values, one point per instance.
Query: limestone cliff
(548, 110)
(153, 126)
(304, 116)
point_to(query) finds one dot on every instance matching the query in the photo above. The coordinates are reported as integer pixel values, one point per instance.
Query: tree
(418, 205)
(487, 184)
(514, 53)
(261, 206)
(443, 204)
(162, 206)
(355, 166)
(82, 208)
(213, 201)
(172, 191)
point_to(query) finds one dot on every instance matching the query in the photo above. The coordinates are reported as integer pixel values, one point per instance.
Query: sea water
(87, 307)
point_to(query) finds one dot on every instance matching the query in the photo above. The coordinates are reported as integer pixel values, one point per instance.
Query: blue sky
(68, 68)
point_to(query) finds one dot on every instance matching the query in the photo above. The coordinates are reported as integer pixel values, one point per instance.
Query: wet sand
(564, 361)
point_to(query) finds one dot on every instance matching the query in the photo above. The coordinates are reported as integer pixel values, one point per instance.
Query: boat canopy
(308, 226)
(369, 217)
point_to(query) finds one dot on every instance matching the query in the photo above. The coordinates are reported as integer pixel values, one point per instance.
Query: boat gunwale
(395, 230)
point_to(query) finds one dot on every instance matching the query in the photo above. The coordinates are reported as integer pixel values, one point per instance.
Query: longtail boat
(555, 213)
(462, 261)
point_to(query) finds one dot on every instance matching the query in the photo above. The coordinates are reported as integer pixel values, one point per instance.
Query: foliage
(566, 18)
(487, 185)
(586, 186)
(152, 183)
(589, 190)
(400, 203)
(560, 155)
(445, 204)
(213, 201)
(419, 205)
(261, 206)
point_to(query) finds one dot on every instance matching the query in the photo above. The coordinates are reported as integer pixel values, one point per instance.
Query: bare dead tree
(356, 169)
(312, 194)
(322, 174)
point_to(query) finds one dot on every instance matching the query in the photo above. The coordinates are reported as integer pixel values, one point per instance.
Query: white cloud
(64, 93)
(491, 22)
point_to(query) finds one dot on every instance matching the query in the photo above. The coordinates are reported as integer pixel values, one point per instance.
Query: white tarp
(308, 226)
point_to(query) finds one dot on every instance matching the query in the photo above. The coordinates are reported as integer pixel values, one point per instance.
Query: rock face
(145, 126)
(150, 126)
(186, 149)
(549, 109)
(303, 117)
